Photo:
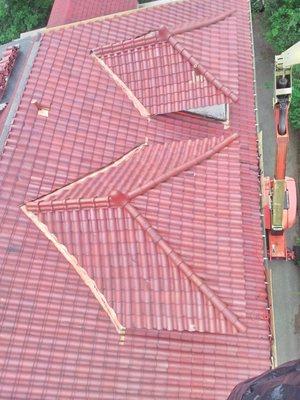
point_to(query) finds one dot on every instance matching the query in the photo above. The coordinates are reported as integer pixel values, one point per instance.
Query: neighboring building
(132, 251)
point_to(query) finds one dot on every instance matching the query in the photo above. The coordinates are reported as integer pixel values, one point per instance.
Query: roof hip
(208, 154)
(112, 199)
(199, 68)
(156, 70)
(187, 271)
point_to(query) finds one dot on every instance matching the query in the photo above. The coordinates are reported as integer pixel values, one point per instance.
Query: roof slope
(57, 342)
(114, 223)
(67, 11)
(166, 70)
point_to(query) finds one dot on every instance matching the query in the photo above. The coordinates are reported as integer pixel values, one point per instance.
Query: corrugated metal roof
(57, 341)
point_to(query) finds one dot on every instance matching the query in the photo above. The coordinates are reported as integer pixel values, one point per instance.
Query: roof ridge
(187, 165)
(164, 37)
(144, 39)
(187, 271)
(200, 69)
(152, 36)
(68, 204)
(42, 205)
(34, 205)
(187, 27)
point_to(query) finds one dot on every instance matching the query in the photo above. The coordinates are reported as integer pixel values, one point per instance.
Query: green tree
(282, 19)
(17, 16)
(283, 23)
(295, 106)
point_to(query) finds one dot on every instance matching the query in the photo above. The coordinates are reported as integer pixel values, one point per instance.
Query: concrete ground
(285, 276)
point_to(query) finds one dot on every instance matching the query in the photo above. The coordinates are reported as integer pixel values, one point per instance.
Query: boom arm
(289, 57)
(280, 192)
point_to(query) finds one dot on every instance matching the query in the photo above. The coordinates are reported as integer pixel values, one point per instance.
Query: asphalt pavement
(285, 276)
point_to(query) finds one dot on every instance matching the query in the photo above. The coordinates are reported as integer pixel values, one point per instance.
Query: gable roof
(57, 341)
(167, 70)
(104, 221)
(67, 11)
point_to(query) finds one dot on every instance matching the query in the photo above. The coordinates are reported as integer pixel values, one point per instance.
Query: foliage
(257, 6)
(295, 106)
(282, 22)
(17, 16)
(283, 31)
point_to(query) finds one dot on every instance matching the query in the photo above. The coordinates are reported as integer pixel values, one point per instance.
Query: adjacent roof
(122, 223)
(67, 11)
(57, 340)
(188, 66)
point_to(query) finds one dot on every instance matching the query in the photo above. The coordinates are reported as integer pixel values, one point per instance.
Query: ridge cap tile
(137, 63)
(201, 150)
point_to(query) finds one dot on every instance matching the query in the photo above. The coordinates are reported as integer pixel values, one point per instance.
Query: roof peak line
(162, 34)
(200, 69)
(190, 26)
(177, 170)
(117, 198)
(184, 268)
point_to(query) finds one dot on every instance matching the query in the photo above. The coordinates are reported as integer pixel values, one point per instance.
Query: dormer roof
(172, 69)
(149, 233)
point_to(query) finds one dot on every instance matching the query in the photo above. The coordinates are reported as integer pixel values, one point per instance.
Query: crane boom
(280, 192)
(289, 57)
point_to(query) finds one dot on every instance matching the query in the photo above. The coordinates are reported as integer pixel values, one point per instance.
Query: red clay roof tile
(104, 240)
(169, 70)
(56, 340)
(67, 11)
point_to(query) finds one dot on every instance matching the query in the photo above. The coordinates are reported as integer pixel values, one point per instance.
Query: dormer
(154, 235)
(191, 67)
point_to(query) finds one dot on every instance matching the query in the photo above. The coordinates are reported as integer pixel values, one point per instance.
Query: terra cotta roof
(167, 70)
(56, 339)
(122, 224)
(67, 11)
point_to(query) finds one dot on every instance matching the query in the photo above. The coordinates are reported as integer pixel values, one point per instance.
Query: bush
(283, 23)
(282, 20)
(295, 106)
(257, 6)
(17, 16)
